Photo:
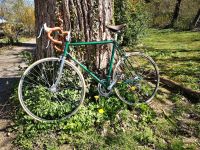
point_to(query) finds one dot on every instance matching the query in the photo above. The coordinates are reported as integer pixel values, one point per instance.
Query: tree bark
(87, 19)
(193, 96)
(196, 21)
(175, 14)
(44, 13)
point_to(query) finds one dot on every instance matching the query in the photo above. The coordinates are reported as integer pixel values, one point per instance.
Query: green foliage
(20, 18)
(145, 136)
(116, 127)
(88, 123)
(147, 114)
(177, 144)
(12, 31)
(175, 97)
(27, 57)
(132, 13)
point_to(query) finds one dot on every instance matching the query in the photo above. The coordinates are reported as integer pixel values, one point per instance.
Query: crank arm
(113, 83)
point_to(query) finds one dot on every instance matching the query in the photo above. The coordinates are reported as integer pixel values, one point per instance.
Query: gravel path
(10, 63)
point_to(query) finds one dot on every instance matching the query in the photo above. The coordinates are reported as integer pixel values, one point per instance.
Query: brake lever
(48, 44)
(42, 28)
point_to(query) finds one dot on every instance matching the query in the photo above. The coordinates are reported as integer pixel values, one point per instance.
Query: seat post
(116, 36)
(68, 37)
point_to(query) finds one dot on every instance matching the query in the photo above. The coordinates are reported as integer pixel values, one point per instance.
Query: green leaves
(118, 127)
(134, 16)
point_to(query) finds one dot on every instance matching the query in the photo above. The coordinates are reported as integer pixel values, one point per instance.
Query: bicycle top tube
(66, 52)
(91, 43)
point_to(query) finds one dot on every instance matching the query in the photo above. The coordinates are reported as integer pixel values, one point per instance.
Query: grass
(21, 40)
(4, 45)
(177, 55)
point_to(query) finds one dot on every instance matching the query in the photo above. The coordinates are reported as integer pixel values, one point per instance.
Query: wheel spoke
(138, 80)
(44, 102)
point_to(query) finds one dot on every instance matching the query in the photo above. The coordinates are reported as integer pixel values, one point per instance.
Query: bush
(12, 32)
(131, 13)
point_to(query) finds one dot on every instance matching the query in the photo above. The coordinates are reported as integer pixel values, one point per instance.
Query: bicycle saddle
(116, 28)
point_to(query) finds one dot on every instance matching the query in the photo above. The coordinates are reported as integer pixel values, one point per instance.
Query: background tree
(12, 31)
(28, 20)
(161, 13)
(133, 14)
(196, 21)
(20, 18)
(176, 13)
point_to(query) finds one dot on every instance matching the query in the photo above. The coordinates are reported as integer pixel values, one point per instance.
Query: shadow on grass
(151, 49)
(18, 44)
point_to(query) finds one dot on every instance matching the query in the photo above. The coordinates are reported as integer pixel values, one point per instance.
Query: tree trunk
(193, 96)
(175, 14)
(87, 19)
(196, 21)
(44, 13)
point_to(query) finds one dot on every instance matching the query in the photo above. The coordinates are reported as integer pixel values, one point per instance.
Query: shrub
(132, 13)
(12, 31)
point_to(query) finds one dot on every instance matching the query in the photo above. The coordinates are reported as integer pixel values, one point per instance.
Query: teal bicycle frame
(114, 47)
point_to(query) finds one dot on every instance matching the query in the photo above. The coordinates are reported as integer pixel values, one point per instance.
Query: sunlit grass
(20, 40)
(171, 40)
(177, 55)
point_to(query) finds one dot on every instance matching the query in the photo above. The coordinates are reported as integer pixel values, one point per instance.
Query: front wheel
(41, 99)
(137, 78)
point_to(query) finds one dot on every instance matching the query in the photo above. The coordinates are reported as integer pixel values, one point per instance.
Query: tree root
(192, 95)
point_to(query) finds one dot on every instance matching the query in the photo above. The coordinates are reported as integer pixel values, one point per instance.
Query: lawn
(177, 55)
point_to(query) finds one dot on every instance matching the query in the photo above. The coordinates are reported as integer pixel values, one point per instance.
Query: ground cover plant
(170, 122)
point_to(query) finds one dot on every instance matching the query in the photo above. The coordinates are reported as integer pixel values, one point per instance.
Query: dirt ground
(10, 63)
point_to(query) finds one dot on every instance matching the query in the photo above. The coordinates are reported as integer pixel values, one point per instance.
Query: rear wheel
(137, 78)
(45, 102)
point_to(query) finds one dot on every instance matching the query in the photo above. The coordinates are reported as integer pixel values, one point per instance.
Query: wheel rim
(138, 79)
(45, 103)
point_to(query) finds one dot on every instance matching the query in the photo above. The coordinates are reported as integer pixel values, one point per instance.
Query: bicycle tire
(136, 73)
(42, 103)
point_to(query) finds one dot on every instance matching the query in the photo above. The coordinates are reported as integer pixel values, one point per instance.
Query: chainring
(102, 90)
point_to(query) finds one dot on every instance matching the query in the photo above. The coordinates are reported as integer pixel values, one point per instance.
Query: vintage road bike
(54, 88)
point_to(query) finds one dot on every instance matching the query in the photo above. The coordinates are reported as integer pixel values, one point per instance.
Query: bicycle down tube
(68, 44)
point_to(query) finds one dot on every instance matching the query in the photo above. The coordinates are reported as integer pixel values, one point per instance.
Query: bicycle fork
(53, 88)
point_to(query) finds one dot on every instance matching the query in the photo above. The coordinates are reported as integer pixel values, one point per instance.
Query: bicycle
(54, 88)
